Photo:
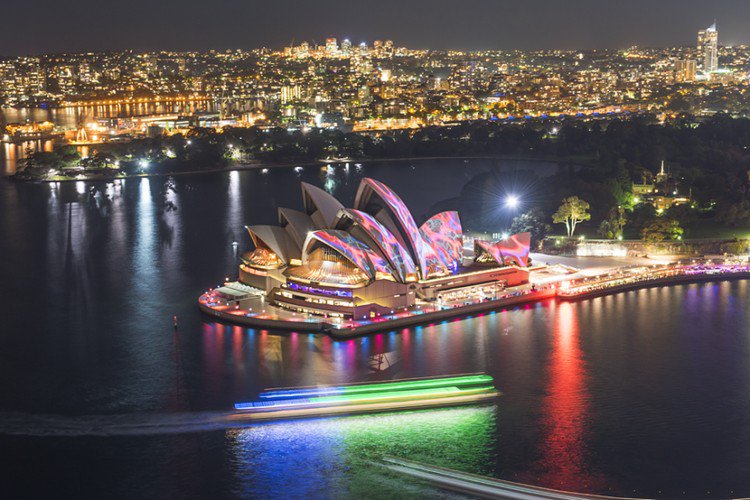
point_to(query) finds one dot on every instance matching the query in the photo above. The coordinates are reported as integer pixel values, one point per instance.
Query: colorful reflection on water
(338, 457)
(565, 462)
(643, 391)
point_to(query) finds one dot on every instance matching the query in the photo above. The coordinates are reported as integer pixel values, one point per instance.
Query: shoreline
(240, 167)
(681, 279)
(341, 332)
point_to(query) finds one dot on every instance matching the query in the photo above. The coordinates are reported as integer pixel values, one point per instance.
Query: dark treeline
(709, 161)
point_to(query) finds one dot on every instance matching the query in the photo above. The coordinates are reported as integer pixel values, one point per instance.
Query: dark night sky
(37, 26)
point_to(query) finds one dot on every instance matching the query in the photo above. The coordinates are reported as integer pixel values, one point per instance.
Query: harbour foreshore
(616, 281)
(347, 329)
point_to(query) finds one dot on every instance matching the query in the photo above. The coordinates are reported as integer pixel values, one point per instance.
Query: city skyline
(476, 25)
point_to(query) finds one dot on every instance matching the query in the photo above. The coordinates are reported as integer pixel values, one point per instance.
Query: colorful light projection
(319, 291)
(513, 250)
(444, 234)
(516, 248)
(483, 247)
(352, 249)
(389, 245)
(404, 219)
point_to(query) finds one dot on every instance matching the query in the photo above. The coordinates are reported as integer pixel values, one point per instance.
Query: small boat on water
(395, 395)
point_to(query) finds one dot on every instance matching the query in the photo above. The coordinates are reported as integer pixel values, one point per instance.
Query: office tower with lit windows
(346, 47)
(332, 46)
(684, 70)
(708, 45)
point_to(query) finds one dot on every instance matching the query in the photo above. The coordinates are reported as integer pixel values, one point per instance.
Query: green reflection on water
(335, 457)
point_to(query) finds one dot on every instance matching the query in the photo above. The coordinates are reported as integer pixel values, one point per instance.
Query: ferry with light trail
(396, 395)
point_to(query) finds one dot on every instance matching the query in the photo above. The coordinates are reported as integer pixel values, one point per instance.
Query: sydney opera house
(373, 259)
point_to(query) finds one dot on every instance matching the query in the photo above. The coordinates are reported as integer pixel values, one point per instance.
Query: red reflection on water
(564, 463)
(294, 350)
(379, 343)
(213, 354)
(238, 343)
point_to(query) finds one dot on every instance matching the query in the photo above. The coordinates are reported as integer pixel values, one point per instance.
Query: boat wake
(140, 424)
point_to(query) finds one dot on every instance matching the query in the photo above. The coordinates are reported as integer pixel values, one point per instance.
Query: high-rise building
(388, 48)
(332, 46)
(85, 75)
(708, 45)
(290, 93)
(684, 70)
(346, 47)
(302, 50)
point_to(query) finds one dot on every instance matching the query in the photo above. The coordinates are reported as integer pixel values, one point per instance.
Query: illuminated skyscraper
(290, 93)
(332, 47)
(684, 70)
(302, 50)
(346, 47)
(388, 48)
(708, 45)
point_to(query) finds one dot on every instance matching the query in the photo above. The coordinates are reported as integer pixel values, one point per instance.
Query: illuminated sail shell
(371, 190)
(513, 250)
(373, 265)
(387, 244)
(516, 248)
(276, 240)
(444, 235)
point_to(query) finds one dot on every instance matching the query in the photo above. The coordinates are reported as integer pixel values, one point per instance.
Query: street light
(511, 201)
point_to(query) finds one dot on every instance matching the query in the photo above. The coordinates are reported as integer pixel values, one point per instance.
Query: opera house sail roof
(378, 239)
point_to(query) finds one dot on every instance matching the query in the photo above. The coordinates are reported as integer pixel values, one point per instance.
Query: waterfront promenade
(632, 278)
(255, 312)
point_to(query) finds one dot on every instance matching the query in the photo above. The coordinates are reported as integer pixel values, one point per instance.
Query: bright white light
(143, 163)
(511, 201)
(504, 236)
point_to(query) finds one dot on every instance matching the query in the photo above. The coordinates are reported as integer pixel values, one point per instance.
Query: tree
(531, 221)
(612, 226)
(572, 212)
(28, 161)
(661, 229)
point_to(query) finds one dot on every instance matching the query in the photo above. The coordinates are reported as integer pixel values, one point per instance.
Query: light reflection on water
(605, 389)
(337, 457)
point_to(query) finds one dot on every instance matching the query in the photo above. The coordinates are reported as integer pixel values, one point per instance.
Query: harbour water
(642, 393)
